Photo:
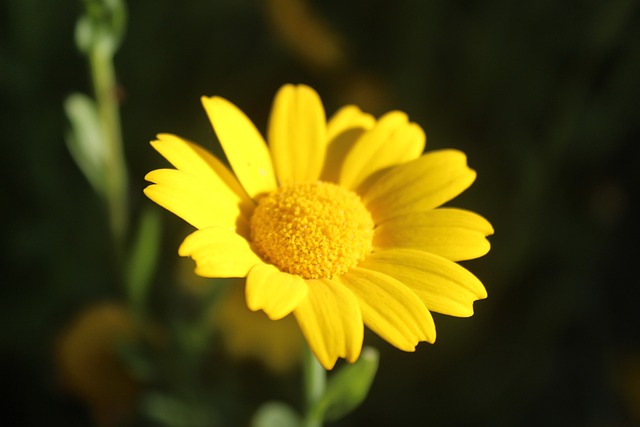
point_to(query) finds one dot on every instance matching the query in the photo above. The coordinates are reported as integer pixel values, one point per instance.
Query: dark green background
(543, 96)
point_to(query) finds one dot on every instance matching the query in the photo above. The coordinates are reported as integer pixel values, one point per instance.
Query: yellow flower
(338, 222)
(248, 335)
(88, 362)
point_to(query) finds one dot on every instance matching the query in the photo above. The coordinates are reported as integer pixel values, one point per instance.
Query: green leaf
(276, 414)
(143, 259)
(84, 34)
(347, 388)
(174, 411)
(85, 140)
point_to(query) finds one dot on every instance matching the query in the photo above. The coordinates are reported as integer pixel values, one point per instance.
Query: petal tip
(148, 177)
(328, 363)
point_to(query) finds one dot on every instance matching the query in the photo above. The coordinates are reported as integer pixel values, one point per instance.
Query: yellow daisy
(89, 366)
(338, 222)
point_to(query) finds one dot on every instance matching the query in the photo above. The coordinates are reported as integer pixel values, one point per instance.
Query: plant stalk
(315, 381)
(104, 81)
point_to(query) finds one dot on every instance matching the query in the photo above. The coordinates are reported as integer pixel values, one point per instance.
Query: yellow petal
(347, 118)
(199, 201)
(242, 143)
(444, 286)
(343, 130)
(419, 185)
(219, 252)
(273, 291)
(391, 309)
(297, 134)
(331, 321)
(454, 234)
(195, 160)
(393, 140)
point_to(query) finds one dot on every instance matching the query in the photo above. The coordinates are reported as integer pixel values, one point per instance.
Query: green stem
(315, 380)
(103, 74)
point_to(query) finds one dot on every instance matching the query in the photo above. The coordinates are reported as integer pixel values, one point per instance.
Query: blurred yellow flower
(338, 222)
(246, 335)
(252, 336)
(627, 380)
(89, 365)
(189, 283)
(301, 29)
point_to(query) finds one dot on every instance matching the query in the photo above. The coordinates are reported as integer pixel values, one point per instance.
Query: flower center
(315, 230)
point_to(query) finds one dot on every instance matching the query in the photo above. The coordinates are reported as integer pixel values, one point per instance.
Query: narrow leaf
(85, 141)
(348, 387)
(275, 414)
(143, 258)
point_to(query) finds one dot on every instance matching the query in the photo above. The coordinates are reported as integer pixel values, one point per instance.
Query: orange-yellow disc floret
(315, 230)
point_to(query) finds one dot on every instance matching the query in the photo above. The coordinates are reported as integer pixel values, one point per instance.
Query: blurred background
(542, 96)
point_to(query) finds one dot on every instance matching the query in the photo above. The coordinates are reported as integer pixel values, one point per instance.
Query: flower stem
(103, 76)
(315, 380)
